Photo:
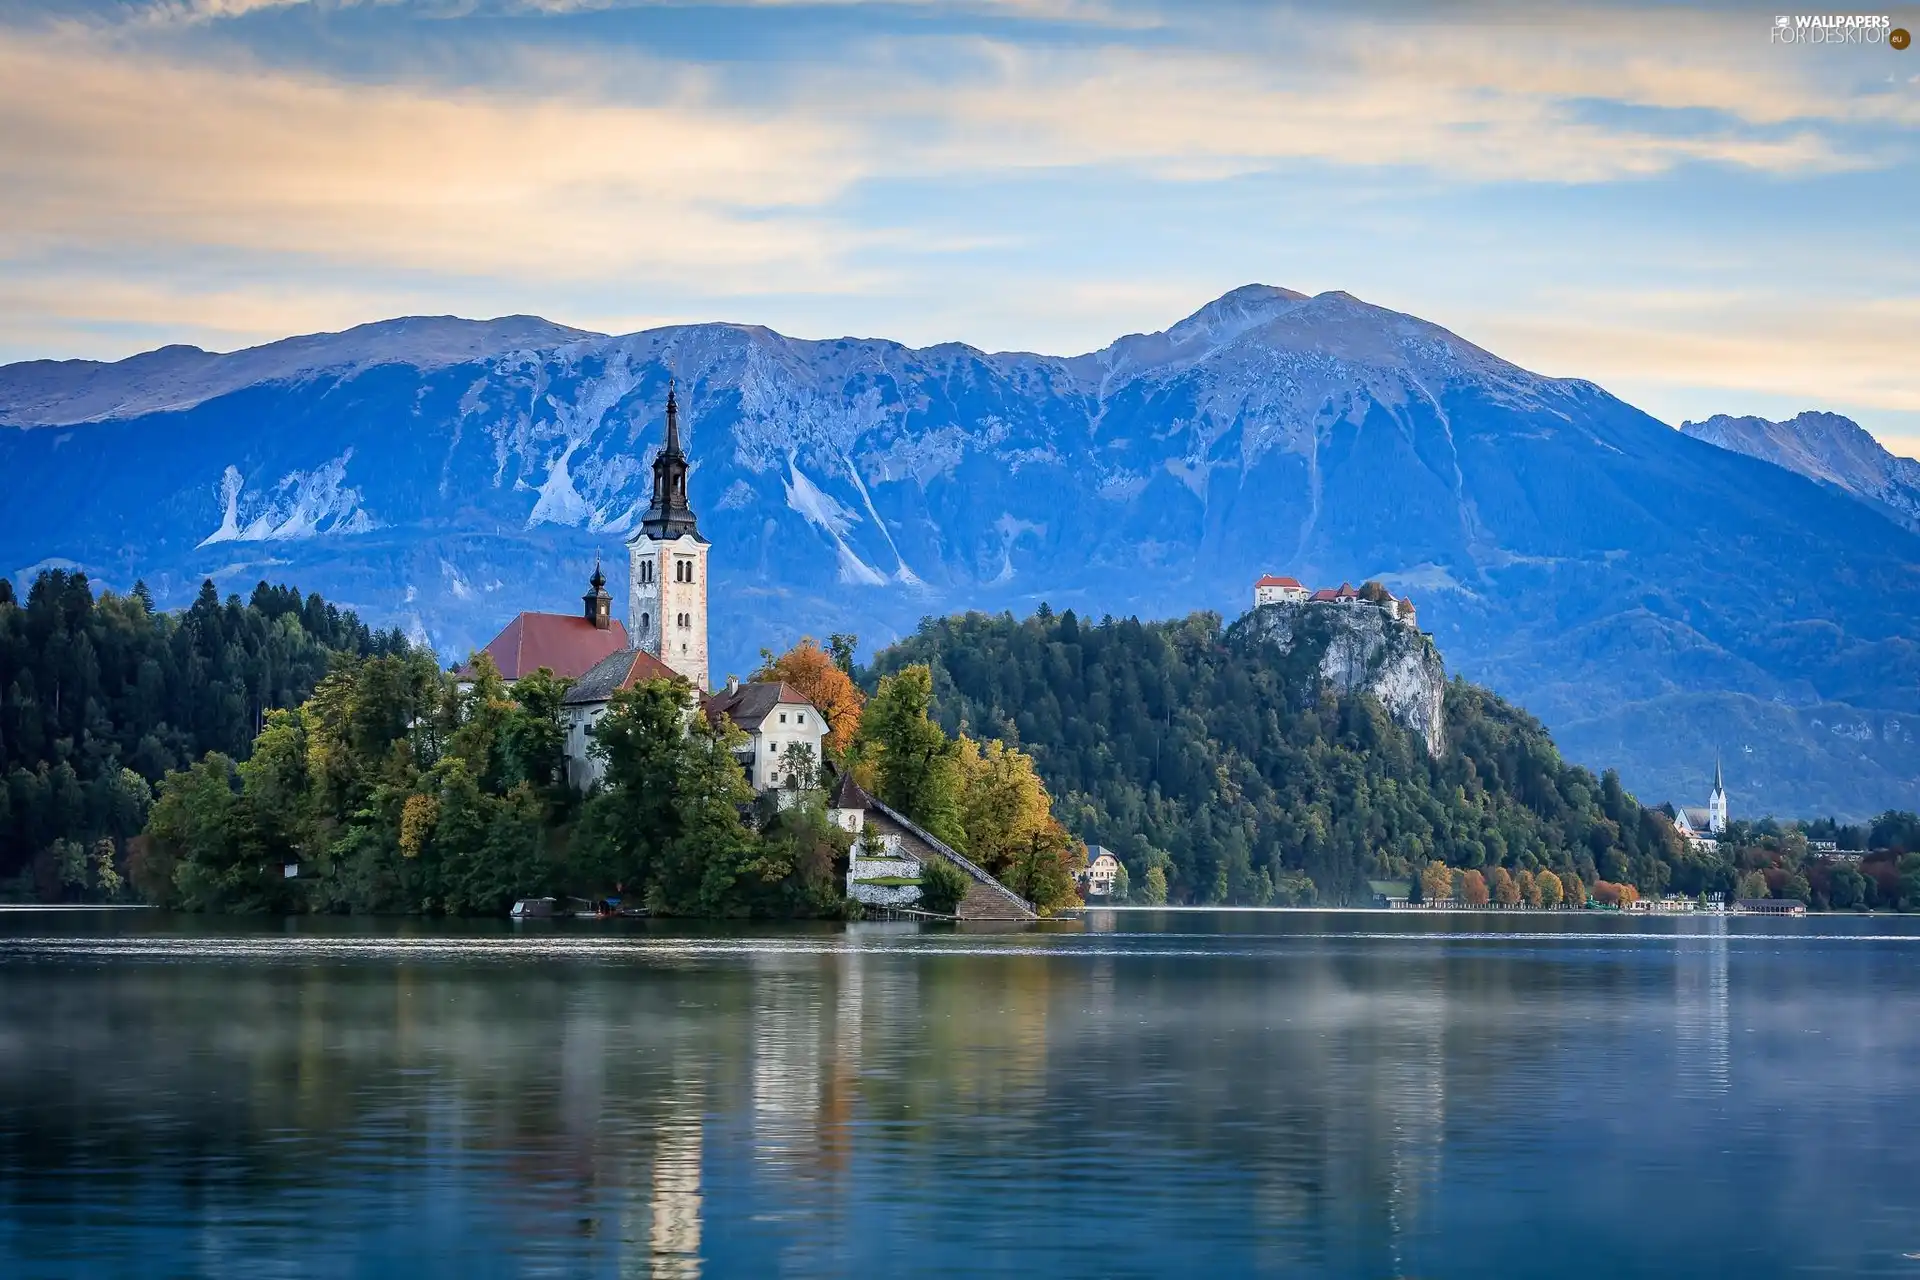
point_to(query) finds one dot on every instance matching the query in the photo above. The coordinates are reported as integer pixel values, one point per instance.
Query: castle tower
(597, 605)
(667, 559)
(1717, 803)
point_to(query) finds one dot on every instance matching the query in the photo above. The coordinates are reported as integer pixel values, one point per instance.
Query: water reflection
(1702, 1009)
(1164, 1094)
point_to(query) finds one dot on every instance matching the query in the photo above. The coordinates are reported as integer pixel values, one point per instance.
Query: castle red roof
(1324, 594)
(1271, 581)
(566, 644)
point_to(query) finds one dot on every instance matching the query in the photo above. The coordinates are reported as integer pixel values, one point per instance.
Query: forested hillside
(101, 695)
(1198, 749)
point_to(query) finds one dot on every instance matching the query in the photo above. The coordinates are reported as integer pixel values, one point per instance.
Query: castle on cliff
(1271, 589)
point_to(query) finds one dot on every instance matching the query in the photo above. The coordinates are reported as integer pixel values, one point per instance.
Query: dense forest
(190, 759)
(1197, 754)
(187, 758)
(100, 696)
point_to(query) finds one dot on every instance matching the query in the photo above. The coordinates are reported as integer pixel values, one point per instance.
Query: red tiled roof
(565, 644)
(1271, 581)
(621, 669)
(1325, 593)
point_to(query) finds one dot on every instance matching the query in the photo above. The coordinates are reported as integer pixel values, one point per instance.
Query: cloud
(106, 147)
(1817, 354)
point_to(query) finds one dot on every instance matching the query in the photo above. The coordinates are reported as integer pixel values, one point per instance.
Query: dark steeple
(599, 605)
(669, 516)
(1717, 785)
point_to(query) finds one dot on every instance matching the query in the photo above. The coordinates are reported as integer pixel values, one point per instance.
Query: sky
(1663, 198)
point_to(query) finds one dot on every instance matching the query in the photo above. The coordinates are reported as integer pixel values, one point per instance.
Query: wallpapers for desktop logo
(1838, 28)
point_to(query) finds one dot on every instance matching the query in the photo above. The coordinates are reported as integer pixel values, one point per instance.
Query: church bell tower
(667, 557)
(1717, 803)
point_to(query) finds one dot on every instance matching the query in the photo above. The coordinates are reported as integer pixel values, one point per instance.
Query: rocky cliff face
(1361, 648)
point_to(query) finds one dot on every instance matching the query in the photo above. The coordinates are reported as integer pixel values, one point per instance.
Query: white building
(777, 718)
(1703, 827)
(667, 561)
(1276, 590)
(1102, 870)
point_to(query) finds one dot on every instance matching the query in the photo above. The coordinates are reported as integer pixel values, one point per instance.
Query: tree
(1753, 885)
(1529, 889)
(1473, 889)
(1848, 887)
(1003, 804)
(1573, 893)
(942, 886)
(824, 682)
(918, 768)
(1506, 890)
(1153, 887)
(1436, 882)
(1041, 871)
(1550, 889)
(841, 646)
(626, 826)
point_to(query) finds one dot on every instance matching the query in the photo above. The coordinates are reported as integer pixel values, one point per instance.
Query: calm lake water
(1357, 1094)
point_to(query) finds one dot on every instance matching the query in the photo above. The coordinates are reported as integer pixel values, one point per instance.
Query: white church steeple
(1717, 803)
(667, 562)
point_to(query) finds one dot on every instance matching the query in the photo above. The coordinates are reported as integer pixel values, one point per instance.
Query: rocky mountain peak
(1827, 447)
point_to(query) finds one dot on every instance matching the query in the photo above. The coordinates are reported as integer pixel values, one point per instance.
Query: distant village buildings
(1273, 589)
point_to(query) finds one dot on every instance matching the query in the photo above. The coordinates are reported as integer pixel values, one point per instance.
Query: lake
(1141, 1093)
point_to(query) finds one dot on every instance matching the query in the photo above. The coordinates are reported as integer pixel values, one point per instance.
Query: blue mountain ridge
(1655, 599)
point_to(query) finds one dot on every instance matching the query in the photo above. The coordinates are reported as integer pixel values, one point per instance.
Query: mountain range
(1658, 599)
(1828, 448)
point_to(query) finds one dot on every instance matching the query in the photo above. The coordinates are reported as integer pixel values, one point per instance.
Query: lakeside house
(1770, 907)
(1098, 876)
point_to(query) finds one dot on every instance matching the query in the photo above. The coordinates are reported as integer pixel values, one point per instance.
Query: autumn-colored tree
(1506, 891)
(1572, 892)
(1436, 882)
(824, 683)
(1004, 805)
(1473, 889)
(1041, 870)
(1609, 894)
(1552, 894)
(1529, 888)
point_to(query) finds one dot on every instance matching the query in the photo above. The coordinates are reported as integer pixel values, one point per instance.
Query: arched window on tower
(645, 623)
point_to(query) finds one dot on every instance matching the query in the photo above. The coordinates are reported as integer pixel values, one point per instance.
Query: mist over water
(1148, 1093)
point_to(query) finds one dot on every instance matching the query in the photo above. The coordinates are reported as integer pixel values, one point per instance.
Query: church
(1702, 828)
(665, 635)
